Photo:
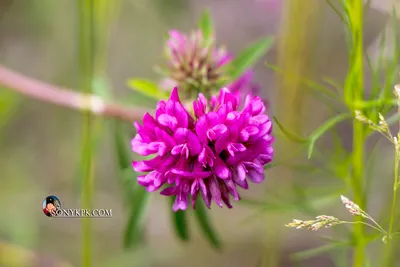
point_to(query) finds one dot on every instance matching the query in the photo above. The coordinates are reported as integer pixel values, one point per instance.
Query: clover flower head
(196, 65)
(219, 148)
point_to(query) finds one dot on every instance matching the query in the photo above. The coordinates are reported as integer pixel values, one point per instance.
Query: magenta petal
(181, 115)
(221, 143)
(206, 199)
(255, 176)
(215, 192)
(230, 185)
(244, 135)
(176, 150)
(207, 157)
(225, 197)
(193, 144)
(242, 183)
(221, 170)
(181, 203)
(168, 121)
(241, 171)
(174, 95)
(169, 191)
(201, 130)
(235, 147)
(140, 166)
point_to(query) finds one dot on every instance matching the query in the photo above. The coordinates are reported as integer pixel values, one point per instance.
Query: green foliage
(139, 201)
(180, 222)
(206, 26)
(247, 58)
(147, 88)
(317, 87)
(291, 136)
(324, 128)
(205, 225)
(309, 253)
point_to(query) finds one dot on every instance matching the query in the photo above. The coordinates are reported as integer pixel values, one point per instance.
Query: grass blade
(289, 135)
(247, 58)
(179, 220)
(123, 154)
(139, 203)
(309, 83)
(323, 128)
(206, 25)
(306, 254)
(205, 225)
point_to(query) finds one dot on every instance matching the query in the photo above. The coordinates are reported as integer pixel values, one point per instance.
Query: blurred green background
(41, 143)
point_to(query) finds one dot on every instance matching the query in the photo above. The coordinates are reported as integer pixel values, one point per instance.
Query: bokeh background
(41, 143)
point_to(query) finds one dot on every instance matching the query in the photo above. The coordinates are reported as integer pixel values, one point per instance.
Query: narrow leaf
(179, 220)
(205, 225)
(324, 127)
(206, 25)
(306, 254)
(147, 88)
(317, 87)
(133, 228)
(248, 57)
(121, 147)
(128, 182)
(289, 135)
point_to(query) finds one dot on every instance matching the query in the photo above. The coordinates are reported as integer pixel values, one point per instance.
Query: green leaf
(121, 147)
(338, 13)
(334, 84)
(179, 220)
(306, 254)
(147, 88)
(320, 91)
(324, 127)
(289, 135)
(134, 226)
(247, 58)
(205, 225)
(206, 25)
(128, 182)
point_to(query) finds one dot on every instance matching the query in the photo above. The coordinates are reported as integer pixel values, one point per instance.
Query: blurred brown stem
(66, 97)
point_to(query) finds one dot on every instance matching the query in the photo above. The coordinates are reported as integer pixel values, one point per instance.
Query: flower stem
(393, 209)
(86, 58)
(396, 178)
(354, 91)
(357, 184)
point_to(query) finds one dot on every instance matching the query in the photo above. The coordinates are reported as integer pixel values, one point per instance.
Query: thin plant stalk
(354, 91)
(394, 199)
(395, 186)
(357, 186)
(86, 55)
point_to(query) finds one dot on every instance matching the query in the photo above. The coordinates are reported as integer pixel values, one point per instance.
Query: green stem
(357, 184)
(395, 185)
(393, 209)
(86, 57)
(354, 91)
